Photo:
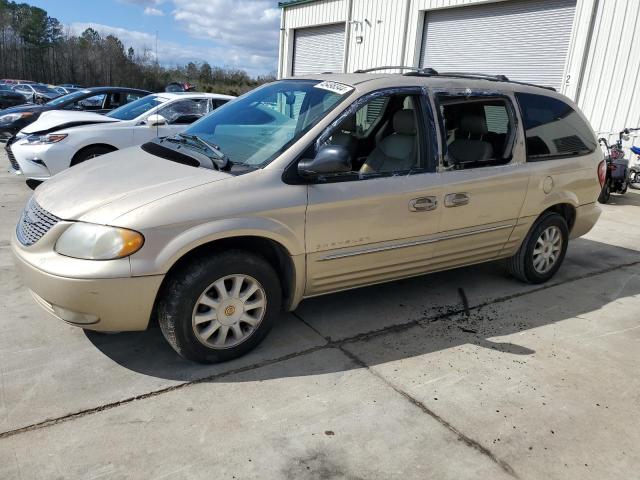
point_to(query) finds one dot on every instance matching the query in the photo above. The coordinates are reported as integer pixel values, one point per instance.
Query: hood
(57, 119)
(104, 188)
(27, 107)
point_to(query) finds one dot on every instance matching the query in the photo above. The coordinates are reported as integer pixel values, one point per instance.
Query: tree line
(36, 46)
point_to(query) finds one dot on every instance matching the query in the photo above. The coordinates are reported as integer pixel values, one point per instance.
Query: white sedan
(62, 139)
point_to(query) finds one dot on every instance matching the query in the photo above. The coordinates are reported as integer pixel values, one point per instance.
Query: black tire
(605, 193)
(634, 179)
(181, 292)
(89, 153)
(521, 265)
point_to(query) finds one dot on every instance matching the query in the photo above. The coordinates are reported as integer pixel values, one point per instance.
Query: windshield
(254, 129)
(135, 109)
(71, 97)
(44, 89)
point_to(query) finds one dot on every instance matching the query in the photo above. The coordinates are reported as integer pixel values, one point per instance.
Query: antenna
(157, 79)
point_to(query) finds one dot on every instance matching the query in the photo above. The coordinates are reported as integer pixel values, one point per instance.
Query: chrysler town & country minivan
(304, 187)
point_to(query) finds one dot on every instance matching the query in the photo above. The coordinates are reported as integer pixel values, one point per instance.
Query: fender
(162, 256)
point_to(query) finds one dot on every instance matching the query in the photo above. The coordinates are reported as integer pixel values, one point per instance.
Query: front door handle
(423, 204)
(456, 199)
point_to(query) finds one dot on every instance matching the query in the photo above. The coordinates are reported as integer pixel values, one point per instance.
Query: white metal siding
(316, 13)
(318, 49)
(525, 40)
(610, 92)
(381, 26)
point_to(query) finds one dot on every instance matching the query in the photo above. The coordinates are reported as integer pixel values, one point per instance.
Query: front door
(377, 222)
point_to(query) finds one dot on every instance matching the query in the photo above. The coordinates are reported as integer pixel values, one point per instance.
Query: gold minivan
(310, 186)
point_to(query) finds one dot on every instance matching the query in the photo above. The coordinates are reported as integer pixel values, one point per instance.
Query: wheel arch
(274, 252)
(566, 210)
(76, 156)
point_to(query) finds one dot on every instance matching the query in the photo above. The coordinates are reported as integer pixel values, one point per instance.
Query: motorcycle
(634, 170)
(618, 172)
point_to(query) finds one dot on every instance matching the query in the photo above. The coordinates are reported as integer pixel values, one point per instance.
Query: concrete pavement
(391, 381)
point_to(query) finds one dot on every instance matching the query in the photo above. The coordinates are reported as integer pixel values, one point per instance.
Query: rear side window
(553, 129)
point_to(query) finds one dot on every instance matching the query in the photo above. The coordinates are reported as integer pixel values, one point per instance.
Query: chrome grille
(34, 223)
(12, 159)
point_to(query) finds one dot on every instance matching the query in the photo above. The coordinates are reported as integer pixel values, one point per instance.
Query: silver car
(309, 186)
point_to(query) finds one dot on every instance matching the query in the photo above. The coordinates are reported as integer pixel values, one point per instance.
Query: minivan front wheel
(542, 251)
(220, 307)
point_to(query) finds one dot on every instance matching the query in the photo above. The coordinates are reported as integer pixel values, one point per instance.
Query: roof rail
(422, 72)
(430, 72)
(492, 78)
(389, 67)
(498, 78)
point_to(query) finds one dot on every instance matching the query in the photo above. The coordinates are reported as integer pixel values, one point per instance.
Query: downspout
(405, 33)
(282, 60)
(347, 37)
(587, 49)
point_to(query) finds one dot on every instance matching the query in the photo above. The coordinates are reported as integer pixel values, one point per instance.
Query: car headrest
(404, 122)
(474, 124)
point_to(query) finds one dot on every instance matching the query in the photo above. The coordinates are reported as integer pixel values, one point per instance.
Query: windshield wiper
(221, 160)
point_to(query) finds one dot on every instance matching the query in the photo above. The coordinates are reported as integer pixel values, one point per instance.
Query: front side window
(135, 109)
(382, 137)
(477, 131)
(553, 129)
(255, 128)
(184, 112)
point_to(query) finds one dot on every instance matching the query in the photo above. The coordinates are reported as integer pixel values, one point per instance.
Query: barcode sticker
(334, 87)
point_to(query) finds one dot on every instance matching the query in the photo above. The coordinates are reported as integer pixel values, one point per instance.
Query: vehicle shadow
(629, 198)
(441, 326)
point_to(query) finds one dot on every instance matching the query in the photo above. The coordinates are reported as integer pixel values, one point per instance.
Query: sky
(226, 33)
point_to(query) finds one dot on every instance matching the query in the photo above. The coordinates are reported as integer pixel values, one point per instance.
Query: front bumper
(101, 304)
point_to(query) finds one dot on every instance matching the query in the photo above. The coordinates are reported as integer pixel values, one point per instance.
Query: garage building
(587, 49)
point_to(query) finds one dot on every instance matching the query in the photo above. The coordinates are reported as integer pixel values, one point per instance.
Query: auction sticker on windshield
(335, 87)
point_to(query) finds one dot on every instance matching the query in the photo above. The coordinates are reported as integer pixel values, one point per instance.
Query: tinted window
(553, 129)
(136, 108)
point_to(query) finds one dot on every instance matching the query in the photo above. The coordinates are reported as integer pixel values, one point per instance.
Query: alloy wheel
(547, 249)
(228, 312)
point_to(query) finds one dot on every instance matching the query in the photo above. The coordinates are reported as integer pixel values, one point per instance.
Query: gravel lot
(391, 381)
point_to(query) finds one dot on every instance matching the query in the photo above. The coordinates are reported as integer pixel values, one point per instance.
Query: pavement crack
(470, 442)
(330, 344)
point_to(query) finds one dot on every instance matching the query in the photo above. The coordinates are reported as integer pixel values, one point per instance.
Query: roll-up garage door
(526, 40)
(318, 49)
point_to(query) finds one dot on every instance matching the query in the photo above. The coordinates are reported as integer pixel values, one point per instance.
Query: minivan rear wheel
(217, 308)
(542, 251)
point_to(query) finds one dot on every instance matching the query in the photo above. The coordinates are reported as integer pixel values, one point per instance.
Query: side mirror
(155, 120)
(330, 159)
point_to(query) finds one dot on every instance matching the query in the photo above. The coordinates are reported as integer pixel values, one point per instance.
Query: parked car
(106, 99)
(309, 186)
(180, 87)
(61, 139)
(9, 98)
(11, 81)
(35, 92)
(64, 90)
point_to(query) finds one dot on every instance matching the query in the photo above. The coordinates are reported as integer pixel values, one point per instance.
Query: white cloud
(243, 33)
(172, 53)
(154, 12)
(250, 28)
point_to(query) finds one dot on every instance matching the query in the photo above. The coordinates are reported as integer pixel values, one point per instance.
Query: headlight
(46, 139)
(98, 242)
(12, 117)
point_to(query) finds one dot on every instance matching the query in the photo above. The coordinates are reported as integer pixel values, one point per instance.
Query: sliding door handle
(423, 204)
(456, 199)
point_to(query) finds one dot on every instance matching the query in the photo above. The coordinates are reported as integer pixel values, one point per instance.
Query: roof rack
(430, 72)
(391, 67)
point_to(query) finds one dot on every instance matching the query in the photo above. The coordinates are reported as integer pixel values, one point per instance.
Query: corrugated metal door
(526, 40)
(318, 49)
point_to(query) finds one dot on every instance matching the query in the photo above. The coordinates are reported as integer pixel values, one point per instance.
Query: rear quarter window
(553, 129)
